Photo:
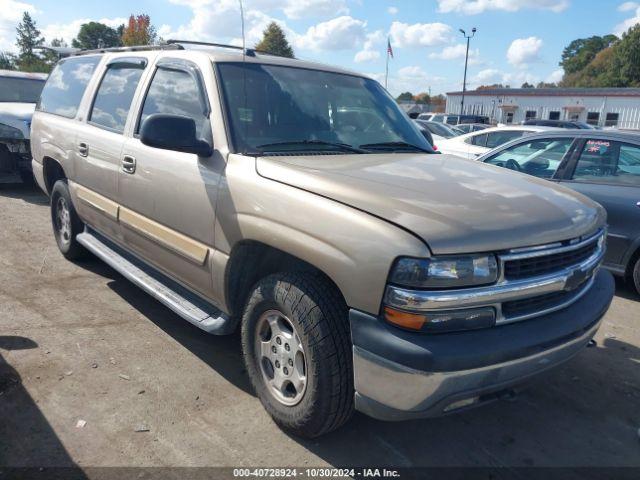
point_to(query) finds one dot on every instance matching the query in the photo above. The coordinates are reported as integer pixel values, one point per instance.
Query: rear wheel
(297, 351)
(65, 221)
(636, 275)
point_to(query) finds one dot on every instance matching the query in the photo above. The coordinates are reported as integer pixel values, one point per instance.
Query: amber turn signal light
(411, 321)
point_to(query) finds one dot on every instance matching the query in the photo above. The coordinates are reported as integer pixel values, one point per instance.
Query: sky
(516, 40)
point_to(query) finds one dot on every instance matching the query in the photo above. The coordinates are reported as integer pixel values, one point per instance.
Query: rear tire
(65, 221)
(636, 276)
(306, 313)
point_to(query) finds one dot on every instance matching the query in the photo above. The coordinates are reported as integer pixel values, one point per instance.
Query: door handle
(83, 149)
(128, 164)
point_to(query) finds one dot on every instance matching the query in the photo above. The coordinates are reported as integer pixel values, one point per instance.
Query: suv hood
(454, 205)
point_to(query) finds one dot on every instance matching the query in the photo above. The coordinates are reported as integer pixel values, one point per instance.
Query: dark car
(561, 124)
(603, 165)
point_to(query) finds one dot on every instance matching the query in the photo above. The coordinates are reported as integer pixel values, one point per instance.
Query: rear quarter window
(65, 86)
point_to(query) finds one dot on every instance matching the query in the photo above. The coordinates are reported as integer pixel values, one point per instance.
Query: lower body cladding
(402, 375)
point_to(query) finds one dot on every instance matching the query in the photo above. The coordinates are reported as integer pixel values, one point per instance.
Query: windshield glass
(284, 109)
(21, 90)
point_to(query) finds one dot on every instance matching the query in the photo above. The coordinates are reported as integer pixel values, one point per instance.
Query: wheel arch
(252, 260)
(52, 172)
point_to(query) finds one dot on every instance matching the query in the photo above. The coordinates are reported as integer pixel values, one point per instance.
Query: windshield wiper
(394, 146)
(310, 143)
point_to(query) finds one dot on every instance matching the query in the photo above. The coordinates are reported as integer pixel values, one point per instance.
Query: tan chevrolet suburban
(297, 202)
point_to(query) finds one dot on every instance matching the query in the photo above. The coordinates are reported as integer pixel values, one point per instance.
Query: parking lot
(78, 342)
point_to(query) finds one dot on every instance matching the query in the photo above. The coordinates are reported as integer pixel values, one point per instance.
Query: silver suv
(297, 202)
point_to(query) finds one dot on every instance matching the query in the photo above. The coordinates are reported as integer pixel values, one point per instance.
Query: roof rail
(136, 48)
(249, 51)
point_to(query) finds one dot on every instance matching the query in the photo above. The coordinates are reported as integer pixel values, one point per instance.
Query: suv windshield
(290, 110)
(20, 90)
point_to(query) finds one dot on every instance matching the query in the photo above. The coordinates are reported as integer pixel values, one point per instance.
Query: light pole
(466, 61)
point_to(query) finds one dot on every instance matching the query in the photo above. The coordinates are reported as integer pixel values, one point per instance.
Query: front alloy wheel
(296, 345)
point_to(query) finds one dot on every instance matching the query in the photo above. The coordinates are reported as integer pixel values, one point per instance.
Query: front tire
(297, 351)
(65, 221)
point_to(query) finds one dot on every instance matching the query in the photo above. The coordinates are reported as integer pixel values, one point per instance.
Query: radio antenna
(244, 46)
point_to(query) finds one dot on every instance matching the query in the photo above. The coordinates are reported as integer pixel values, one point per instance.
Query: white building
(604, 107)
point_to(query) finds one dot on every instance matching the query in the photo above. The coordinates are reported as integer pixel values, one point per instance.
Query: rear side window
(175, 92)
(66, 85)
(604, 161)
(540, 157)
(113, 99)
(478, 140)
(496, 139)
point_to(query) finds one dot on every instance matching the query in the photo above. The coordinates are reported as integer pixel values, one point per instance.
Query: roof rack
(249, 51)
(137, 48)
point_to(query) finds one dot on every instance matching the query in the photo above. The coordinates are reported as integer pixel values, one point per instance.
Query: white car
(474, 144)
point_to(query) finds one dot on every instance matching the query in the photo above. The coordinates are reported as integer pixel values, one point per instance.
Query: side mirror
(173, 132)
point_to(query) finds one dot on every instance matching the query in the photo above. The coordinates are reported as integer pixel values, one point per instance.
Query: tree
(405, 97)
(28, 40)
(527, 85)
(139, 31)
(274, 41)
(422, 98)
(627, 53)
(491, 87)
(546, 85)
(95, 35)
(7, 61)
(579, 53)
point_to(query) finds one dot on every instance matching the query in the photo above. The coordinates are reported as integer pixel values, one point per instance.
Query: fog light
(443, 321)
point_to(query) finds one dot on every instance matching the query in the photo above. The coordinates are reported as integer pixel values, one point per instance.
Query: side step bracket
(179, 299)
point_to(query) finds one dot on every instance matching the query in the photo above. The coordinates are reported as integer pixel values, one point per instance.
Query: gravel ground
(79, 343)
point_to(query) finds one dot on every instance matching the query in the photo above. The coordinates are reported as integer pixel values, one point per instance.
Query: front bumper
(402, 375)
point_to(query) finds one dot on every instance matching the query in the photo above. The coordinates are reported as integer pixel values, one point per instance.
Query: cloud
(411, 78)
(68, 31)
(475, 7)
(392, 10)
(10, 15)
(524, 51)
(629, 22)
(628, 6)
(371, 48)
(555, 76)
(296, 9)
(420, 34)
(455, 52)
(491, 76)
(340, 33)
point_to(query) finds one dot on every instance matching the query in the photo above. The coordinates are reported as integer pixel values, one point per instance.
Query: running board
(183, 302)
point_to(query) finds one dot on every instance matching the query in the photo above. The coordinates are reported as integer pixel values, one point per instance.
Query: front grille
(529, 306)
(531, 267)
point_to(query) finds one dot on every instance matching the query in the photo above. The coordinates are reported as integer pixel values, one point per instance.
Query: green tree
(527, 85)
(28, 40)
(7, 61)
(94, 35)
(274, 41)
(627, 57)
(546, 85)
(422, 98)
(405, 97)
(579, 53)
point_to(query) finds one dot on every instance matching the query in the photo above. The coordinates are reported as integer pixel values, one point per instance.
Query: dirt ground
(78, 342)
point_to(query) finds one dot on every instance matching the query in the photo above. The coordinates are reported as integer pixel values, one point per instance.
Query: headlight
(9, 132)
(445, 272)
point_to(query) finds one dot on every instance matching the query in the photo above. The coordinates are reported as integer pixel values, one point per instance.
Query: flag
(389, 49)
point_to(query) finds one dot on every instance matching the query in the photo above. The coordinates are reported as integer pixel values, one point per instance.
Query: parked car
(572, 124)
(472, 145)
(426, 134)
(362, 270)
(602, 165)
(439, 131)
(19, 92)
(426, 116)
(471, 127)
(451, 119)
